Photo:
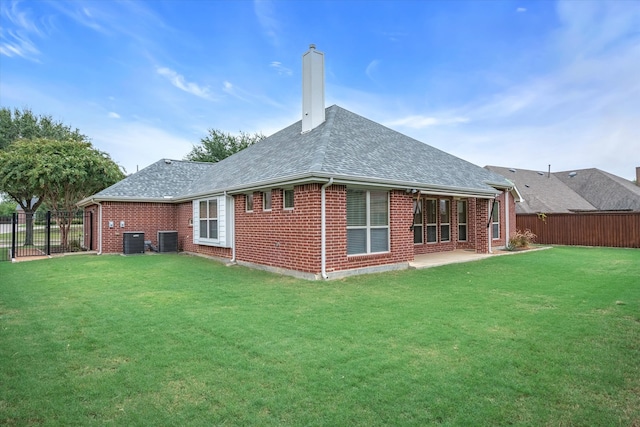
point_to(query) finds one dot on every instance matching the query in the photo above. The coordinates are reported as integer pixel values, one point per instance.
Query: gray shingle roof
(164, 179)
(603, 190)
(587, 190)
(542, 193)
(346, 146)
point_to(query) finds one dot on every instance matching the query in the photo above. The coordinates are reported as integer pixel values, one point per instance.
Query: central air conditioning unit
(133, 243)
(167, 241)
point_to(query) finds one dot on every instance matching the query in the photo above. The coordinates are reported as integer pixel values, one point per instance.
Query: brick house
(331, 195)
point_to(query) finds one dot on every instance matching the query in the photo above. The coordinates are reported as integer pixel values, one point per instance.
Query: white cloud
(113, 115)
(179, 81)
(521, 9)
(371, 68)
(130, 143)
(16, 32)
(264, 10)
(248, 96)
(281, 69)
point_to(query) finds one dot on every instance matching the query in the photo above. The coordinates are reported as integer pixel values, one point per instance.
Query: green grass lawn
(540, 338)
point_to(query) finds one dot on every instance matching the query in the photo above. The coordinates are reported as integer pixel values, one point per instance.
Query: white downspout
(233, 233)
(323, 230)
(99, 228)
(490, 233)
(506, 220)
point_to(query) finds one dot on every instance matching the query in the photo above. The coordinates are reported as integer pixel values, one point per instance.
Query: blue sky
(521, 84)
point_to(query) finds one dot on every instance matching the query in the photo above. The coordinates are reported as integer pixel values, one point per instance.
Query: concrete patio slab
(458, 256)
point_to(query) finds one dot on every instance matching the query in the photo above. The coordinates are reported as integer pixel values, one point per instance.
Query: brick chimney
(312, 89)
(638, 176)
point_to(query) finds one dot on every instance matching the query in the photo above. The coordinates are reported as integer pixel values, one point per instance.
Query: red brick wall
(280, 237)
(401, 239)
(481, 229)
(290, 239)
(91, 210)
(184, 226)
(502, 241)
(145, 217)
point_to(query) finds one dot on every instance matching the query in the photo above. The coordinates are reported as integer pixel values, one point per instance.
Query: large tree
(218, 145)
(19, 124)
(58, 172)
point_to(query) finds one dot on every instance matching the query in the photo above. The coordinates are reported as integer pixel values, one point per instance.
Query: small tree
(23, 124)
(59, 172)
(7, 206)
(218, 145)
(17, 125)
(17, 163)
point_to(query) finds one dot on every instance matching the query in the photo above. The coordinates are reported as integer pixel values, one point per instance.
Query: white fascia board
(460, 195)
(95, 200)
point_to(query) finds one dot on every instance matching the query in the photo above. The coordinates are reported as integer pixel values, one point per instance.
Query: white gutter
(323, 230)
(463, 195)
(304, 178)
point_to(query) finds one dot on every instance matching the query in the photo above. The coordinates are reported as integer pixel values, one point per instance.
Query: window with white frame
(462, 220)
(208, 217)
(417, 222)
(288, 199)
(266, 200)
(495, 220)
(432, 220)
(445, 220)
(248, 200)
(367, 222)
(213, 221)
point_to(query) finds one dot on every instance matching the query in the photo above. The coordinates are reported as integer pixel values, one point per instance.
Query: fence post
(48, 231)
(14, 234)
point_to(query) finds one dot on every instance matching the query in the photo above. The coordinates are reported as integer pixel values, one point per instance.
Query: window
(266, 200)
(432, 221)
(495, 220)
(213, 221)
(288, 199)
(208, 214)
(248, 200)
(462, 220)
(445, 220)
(417, 222)
(367, 222)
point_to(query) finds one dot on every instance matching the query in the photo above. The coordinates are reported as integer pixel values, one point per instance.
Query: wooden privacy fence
(613, 229)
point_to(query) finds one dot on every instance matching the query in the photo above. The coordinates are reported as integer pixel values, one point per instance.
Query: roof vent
(572, 174)
(167, 161)
(541, 173)
(512, 170)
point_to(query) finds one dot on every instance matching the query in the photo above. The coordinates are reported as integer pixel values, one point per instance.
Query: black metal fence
(44, 233)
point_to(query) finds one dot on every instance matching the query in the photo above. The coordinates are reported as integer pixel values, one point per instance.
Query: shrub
(521, 239)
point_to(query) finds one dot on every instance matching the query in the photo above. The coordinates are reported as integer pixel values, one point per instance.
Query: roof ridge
(318, 158)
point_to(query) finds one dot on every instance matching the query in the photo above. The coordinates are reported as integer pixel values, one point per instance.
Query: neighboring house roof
(558, 192)
(607, 192)
(347, 147)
